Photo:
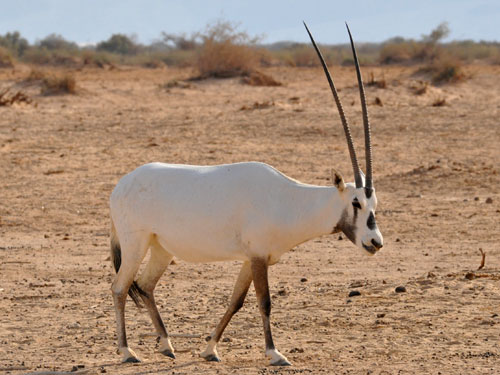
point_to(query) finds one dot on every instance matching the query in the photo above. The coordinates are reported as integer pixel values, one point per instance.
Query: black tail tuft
(116, 256)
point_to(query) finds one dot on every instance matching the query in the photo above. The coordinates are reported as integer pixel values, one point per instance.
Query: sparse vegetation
(221, 50)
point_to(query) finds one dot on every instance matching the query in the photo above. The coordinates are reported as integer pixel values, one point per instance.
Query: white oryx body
(225, 212)
(245, 211)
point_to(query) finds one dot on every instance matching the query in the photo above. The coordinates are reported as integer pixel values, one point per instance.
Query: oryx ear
(337, 180)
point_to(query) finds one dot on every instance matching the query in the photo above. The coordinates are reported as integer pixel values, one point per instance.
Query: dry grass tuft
(257, 78)
(59, 84)
(381, 84)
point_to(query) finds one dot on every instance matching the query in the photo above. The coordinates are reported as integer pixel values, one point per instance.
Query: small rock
(340, 238)
(476, 198)
(380, 315)
(297, 350)
(470, 276)
(282, 292)
(354, 293)
(489, 200)
(400, 289)
(303, 280)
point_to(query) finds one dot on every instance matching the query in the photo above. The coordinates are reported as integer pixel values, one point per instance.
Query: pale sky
(92, 21)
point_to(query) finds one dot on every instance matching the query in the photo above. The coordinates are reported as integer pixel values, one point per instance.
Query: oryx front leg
(239, 293)
(261, 284)
(132, 253)
(158, 263)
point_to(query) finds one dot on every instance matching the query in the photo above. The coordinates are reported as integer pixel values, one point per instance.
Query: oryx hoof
(212, 358)
(277, 359)
(168, 353)
(281, 362)
(131, 360)
(129, 355)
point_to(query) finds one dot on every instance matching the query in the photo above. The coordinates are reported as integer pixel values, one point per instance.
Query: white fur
(226, 212)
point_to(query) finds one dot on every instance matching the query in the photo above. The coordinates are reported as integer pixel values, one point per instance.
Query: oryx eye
(356, 204)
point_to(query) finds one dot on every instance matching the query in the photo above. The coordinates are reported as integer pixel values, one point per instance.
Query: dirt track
(436, 169)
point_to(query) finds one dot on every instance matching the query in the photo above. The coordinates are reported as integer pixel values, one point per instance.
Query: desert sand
(436, 171)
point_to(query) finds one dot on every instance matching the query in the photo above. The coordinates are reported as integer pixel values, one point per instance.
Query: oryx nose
(377, 244)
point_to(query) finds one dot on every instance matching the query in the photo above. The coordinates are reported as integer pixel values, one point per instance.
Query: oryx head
(357, 219)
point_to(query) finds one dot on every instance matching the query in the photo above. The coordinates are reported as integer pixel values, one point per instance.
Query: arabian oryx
(248, 212)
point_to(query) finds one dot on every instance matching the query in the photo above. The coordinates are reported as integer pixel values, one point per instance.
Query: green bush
(119, 43)
(16, 44)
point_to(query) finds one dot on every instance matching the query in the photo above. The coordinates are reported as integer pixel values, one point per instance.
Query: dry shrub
(226, 52)
(8, 99)
(6, 60)
(397, 53)
(445, 69)
(99, 59)
(35, 75)
(56, 84)
(257, 78)
(381, 84)
(43, 56)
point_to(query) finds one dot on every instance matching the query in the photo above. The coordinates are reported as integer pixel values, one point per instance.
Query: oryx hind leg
(130, 251)
(158, 263)
(261, 284)
(239, 293)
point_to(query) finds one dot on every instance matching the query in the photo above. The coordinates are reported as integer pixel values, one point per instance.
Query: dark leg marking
(261, 284)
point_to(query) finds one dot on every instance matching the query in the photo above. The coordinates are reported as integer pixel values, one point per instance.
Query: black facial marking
(370, 223)
(356, 204)
(368, 192)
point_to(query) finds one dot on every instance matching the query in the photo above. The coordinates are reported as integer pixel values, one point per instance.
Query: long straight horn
(347, 130)
(366, 121)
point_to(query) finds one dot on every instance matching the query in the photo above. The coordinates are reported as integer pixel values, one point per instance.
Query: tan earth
(437, 176)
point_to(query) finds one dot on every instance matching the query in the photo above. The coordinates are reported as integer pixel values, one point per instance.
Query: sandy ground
(437, 177)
